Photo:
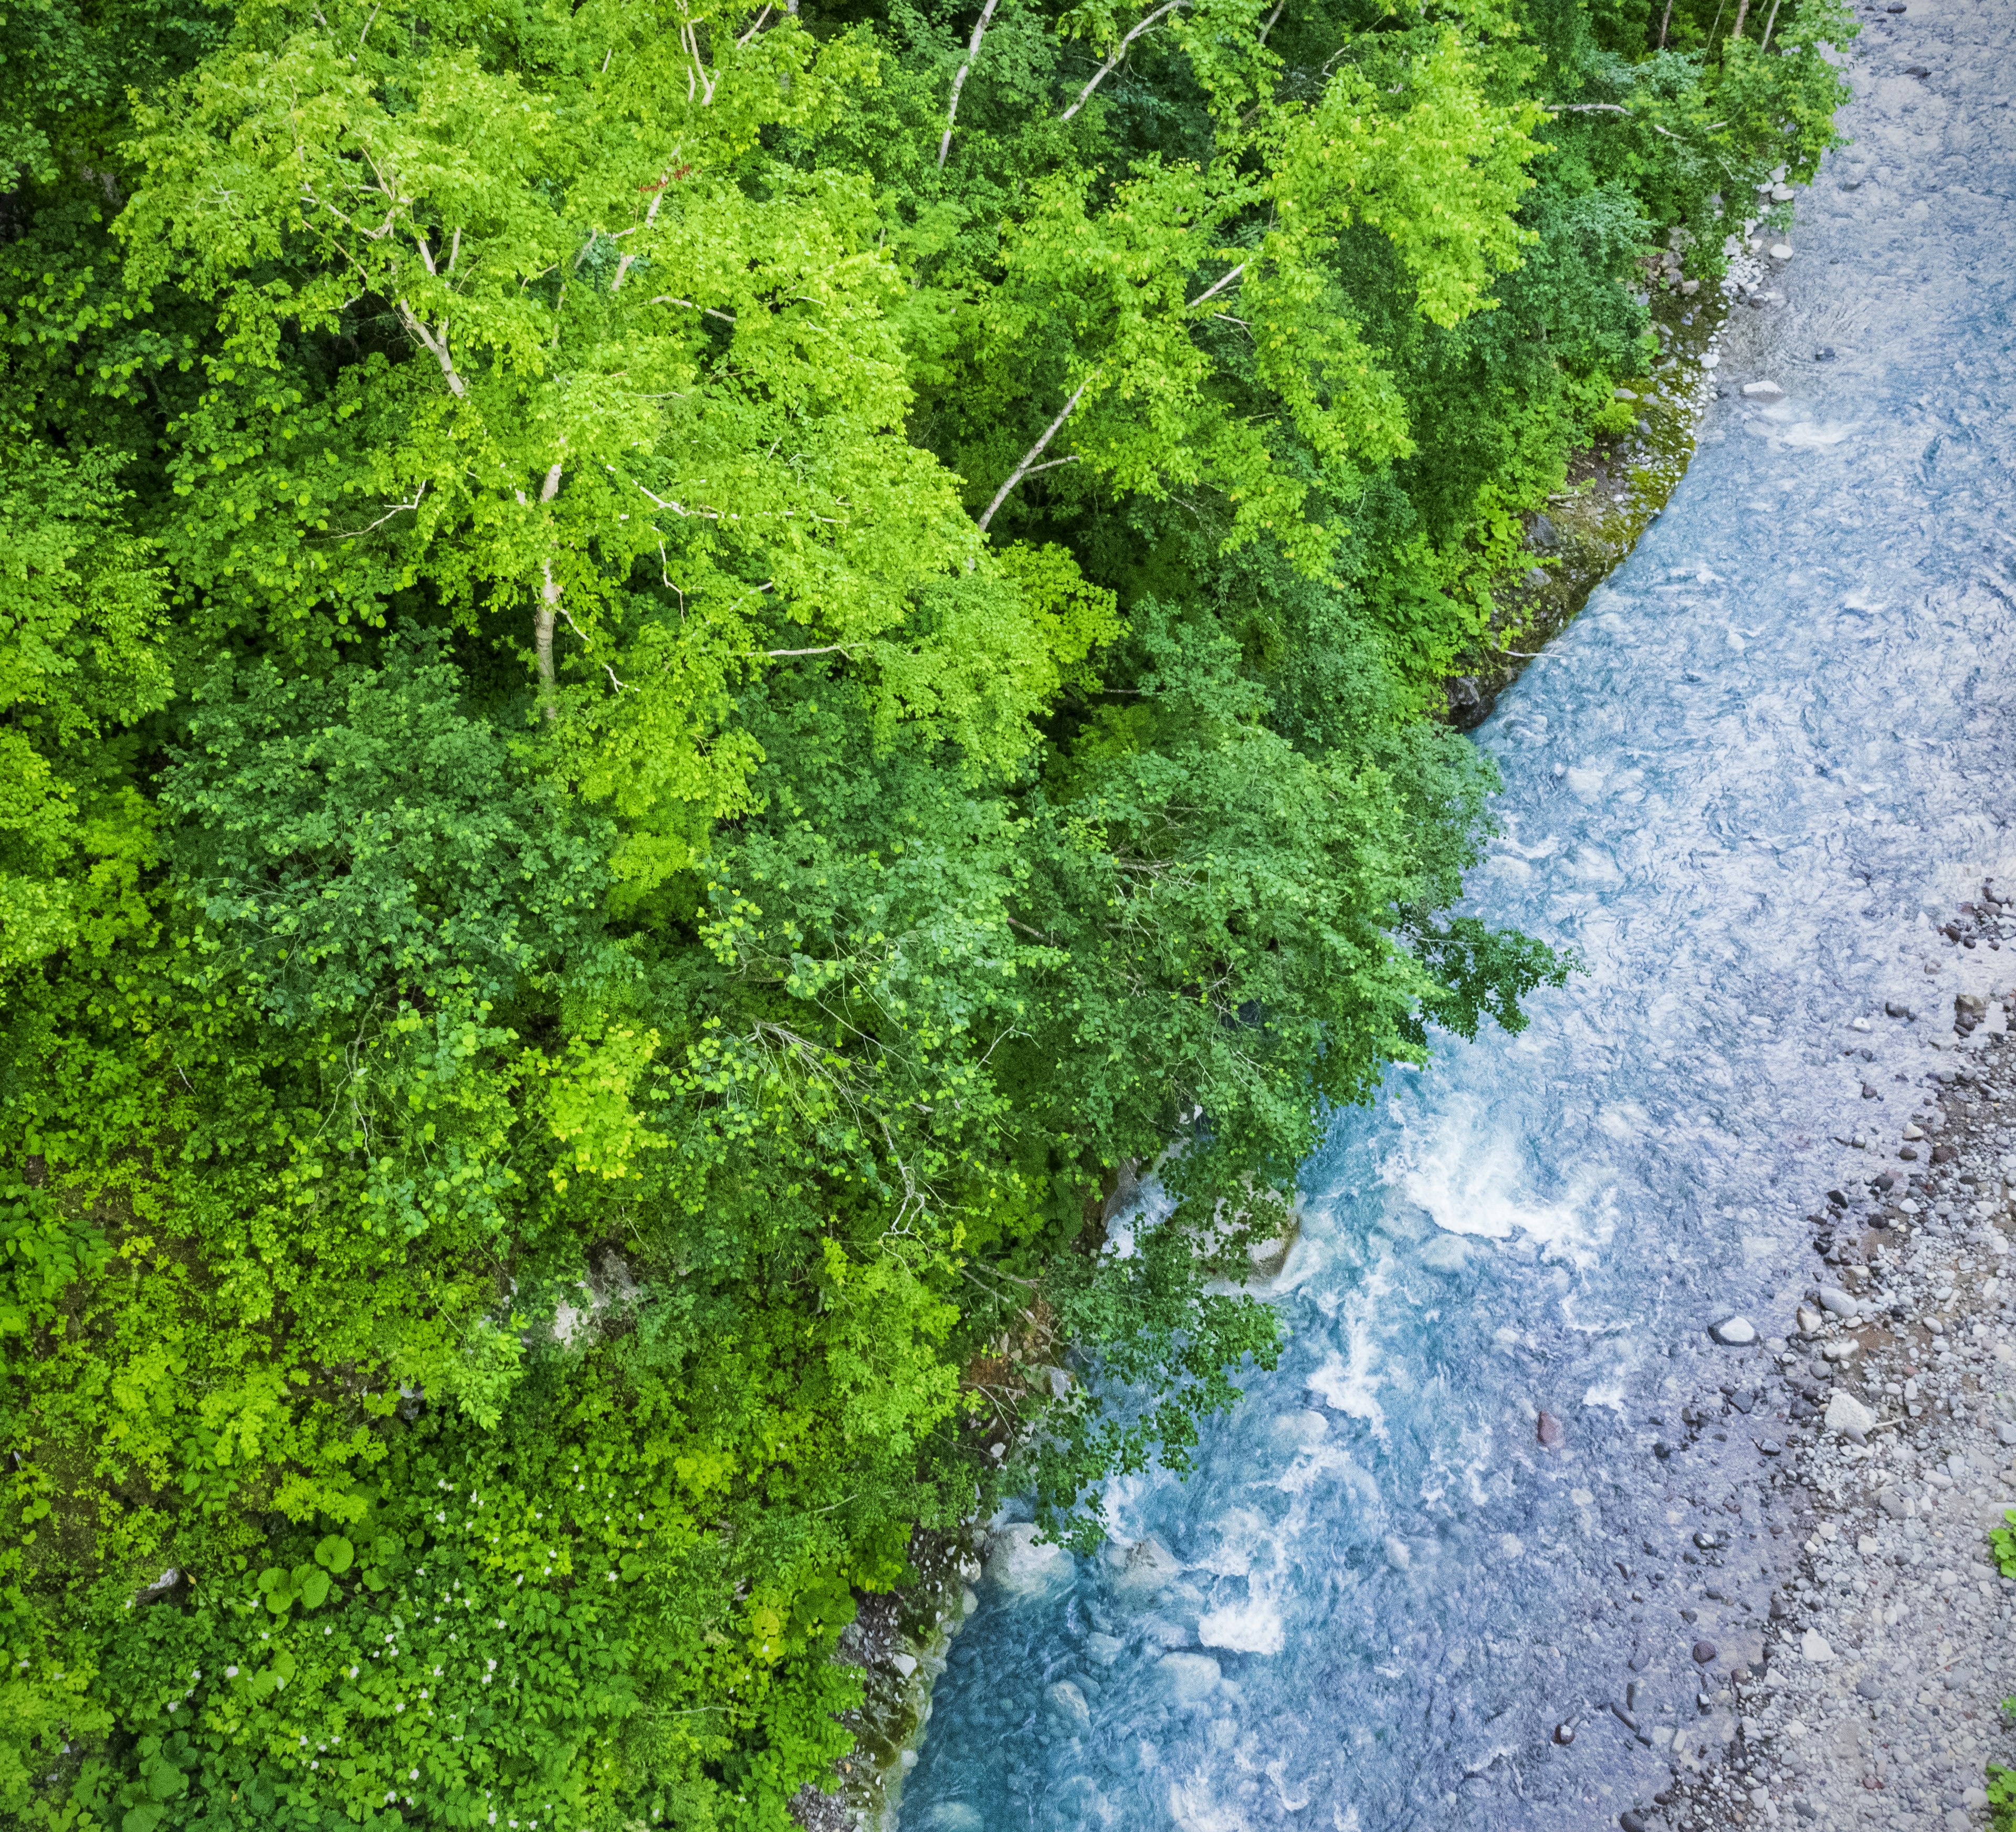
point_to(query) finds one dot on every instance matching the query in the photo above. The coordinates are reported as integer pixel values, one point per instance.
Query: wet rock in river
(1019, 1564)
(1736, 1332)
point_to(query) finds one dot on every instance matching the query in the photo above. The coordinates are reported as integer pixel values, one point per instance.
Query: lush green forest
(675, 680)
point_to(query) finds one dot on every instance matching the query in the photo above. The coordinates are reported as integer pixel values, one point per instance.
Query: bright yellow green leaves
(1132, 287)
(1074, 618)
(1435, 166)
(590, 1109)
(605, 359)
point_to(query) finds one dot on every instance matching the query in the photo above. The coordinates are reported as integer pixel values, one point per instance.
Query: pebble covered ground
(1872, 1696)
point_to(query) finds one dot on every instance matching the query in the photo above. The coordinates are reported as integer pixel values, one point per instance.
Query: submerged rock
(1021, 1566)
(1145, 1566)
(1190, 1677)
(1734, 1332)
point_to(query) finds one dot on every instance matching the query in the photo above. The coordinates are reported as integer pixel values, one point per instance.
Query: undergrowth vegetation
(675, 683)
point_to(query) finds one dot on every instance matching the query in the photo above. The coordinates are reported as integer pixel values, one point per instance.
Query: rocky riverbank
(1869, 1695)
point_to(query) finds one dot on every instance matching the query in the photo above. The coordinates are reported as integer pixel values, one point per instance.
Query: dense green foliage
(674, 683)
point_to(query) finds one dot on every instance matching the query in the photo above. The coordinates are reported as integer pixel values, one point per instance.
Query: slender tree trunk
(958, 81)
(1765, 43)
(1742, 8)
(1665, 20)
(550, 603)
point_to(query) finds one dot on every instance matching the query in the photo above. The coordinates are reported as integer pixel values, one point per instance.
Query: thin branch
(391, 510)
(753, 30)
(958, 81)
(1034, 453)
(1616, 108)
(830, 649)
(366, 33)
(727, 318)
(697, 79)
(437, 346)
(1113, 62)
(1216, 287)
(1271, 17)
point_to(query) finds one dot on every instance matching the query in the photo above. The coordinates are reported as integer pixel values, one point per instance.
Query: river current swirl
(1744, 785)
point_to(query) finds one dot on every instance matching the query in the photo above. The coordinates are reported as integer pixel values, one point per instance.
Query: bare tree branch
(391, 510)
(1216, 287)
(1617, 108)
(1120, 50)
(1034, 453)
(549, 599)
(958, 81)
(437, 346)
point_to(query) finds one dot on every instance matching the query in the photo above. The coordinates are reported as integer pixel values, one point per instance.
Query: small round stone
(1704, 1652)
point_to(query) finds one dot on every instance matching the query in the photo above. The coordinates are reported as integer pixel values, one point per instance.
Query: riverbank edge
(901, 1639)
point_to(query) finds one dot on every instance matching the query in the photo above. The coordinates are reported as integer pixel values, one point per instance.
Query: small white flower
(412, 1774)
(231, 1672)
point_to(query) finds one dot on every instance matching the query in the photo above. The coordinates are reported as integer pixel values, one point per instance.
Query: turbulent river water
(1772, 750)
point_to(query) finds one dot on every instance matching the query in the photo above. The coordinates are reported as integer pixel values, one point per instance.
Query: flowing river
(1771, 754)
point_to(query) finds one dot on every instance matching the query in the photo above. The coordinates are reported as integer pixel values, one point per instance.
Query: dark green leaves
(363, 835)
